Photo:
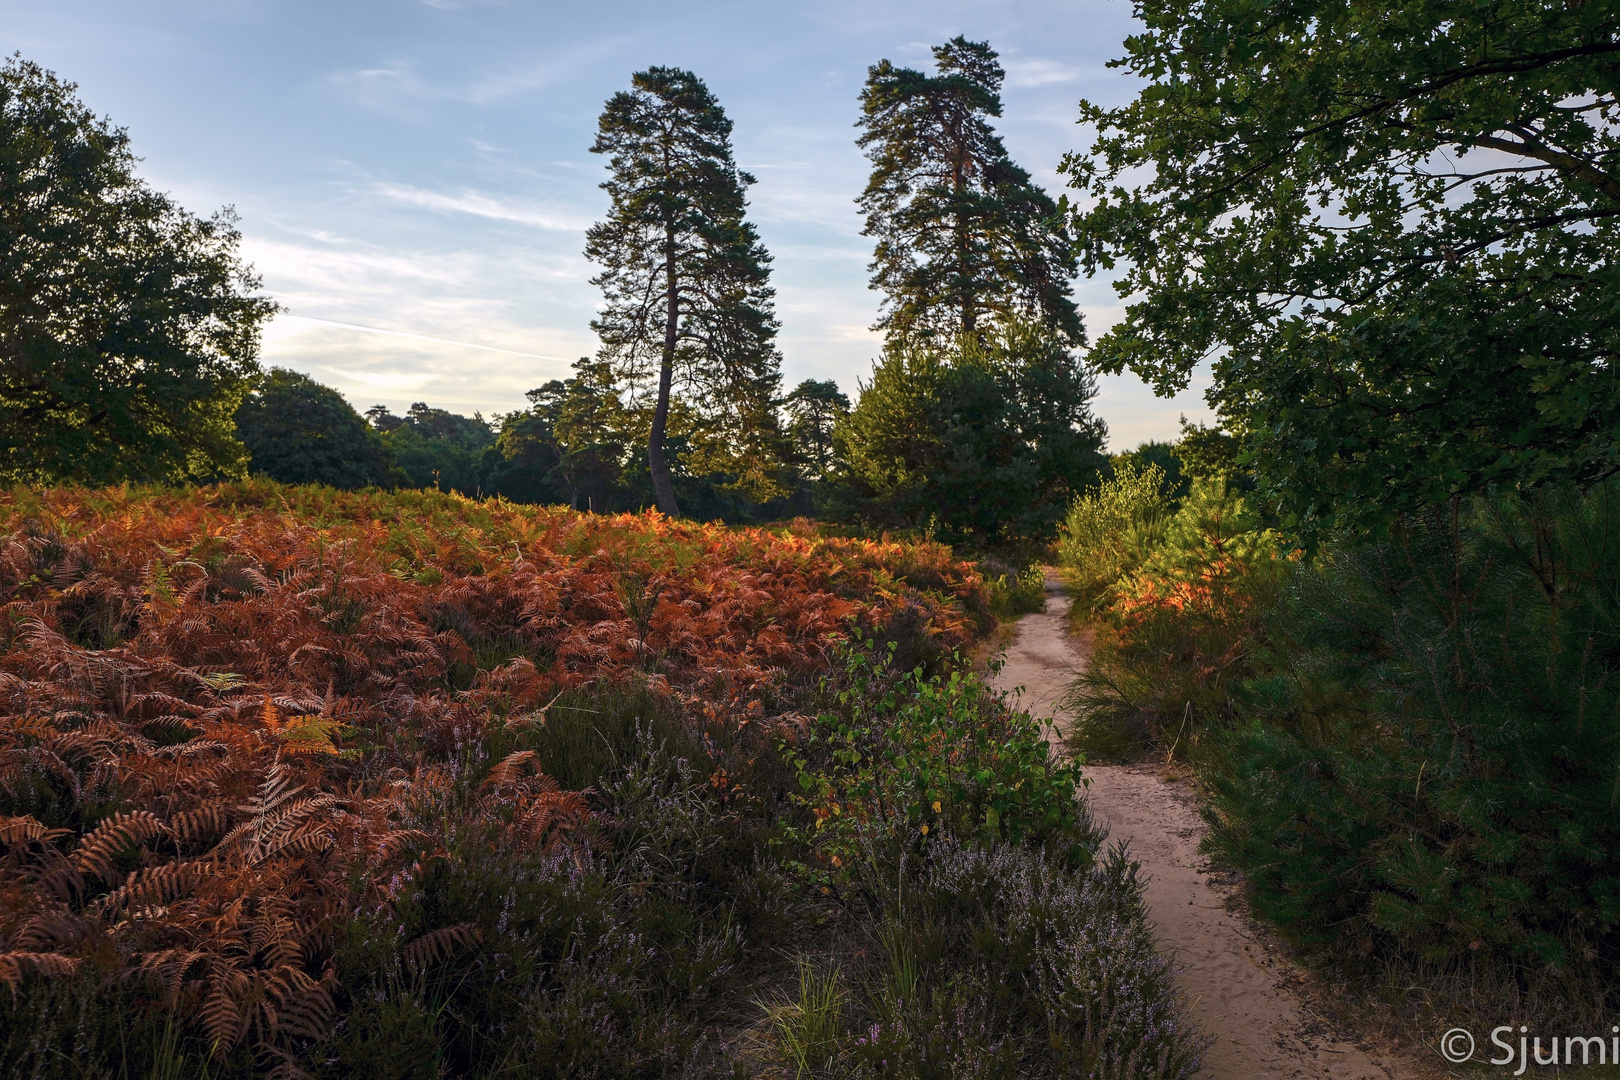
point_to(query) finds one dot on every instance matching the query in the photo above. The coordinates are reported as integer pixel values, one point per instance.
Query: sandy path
(1236, 987)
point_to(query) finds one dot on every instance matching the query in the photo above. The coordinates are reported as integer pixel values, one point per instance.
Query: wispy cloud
(345, 269)
(1028, 73)
(479, 204)
(419, 337)
(386, 86)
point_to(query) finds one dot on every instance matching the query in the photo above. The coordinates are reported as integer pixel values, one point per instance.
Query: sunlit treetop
(964, 236)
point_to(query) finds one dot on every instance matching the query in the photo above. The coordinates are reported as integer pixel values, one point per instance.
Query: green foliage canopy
(962, 231)
(129, 328)
(574, 435)
(987, 438)
(813, 409)
(439, 449)
(300, 432)
(1392, 228)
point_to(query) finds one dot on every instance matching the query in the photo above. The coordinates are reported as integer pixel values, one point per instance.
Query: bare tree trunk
(663, 490)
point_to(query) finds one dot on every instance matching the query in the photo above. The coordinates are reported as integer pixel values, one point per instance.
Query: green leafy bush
(1014, 592)
(1178, 623)
(1111, 531)
(906, 755)
(1431, 778)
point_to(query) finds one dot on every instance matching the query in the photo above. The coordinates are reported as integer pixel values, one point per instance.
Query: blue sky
(421, 167)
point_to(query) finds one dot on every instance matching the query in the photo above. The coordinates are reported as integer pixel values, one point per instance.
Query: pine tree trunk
(663, 490)
(958, 181)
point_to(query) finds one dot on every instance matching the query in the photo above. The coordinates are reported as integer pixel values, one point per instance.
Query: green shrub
(1110, 532)
(1011, 592)
(1431, 779)
(905, 755)
(1179, 624)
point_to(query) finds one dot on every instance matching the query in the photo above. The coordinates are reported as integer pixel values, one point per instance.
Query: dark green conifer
(688, 308)
(814, 407)
(962, 231)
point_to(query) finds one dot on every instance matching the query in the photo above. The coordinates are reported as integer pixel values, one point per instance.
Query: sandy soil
(1238, 987)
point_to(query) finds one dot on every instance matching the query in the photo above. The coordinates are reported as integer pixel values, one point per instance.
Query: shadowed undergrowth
(308, 784)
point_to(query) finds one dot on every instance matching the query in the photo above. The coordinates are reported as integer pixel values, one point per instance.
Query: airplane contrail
(419, 337)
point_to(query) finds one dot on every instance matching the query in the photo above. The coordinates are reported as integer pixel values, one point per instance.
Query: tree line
(1395, 246)
(976, 422)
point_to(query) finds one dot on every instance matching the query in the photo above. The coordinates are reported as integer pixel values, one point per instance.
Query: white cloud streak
(1031, 73)
(419, 337)
(481, 205)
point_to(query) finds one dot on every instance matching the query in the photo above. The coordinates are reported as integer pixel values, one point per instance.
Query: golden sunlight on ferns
(230, 724)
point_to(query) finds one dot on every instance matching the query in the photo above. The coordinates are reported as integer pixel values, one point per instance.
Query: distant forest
(574, 445)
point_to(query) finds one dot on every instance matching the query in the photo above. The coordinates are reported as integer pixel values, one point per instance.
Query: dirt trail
(1237, 989)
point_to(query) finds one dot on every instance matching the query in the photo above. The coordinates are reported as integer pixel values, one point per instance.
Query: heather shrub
(84, 1029)
(622, 952)
(992, 960)
(1026, 965)
(1425, 785)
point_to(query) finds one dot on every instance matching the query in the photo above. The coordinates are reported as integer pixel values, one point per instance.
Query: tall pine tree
(688, 308)
(962, 231)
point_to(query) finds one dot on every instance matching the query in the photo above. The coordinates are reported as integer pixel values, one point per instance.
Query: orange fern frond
(165, 970)
(270, 716)
(223, 1013)
(437, 946)
(26, 830)
(96, 852)
(510, 769)
(56, 928)
(390, 846)
(13, 965)
(39, 727)
(153, 887)
(212, 819)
